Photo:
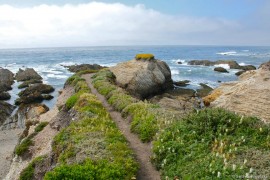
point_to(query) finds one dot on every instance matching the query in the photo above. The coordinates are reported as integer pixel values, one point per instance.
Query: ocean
(49, 62)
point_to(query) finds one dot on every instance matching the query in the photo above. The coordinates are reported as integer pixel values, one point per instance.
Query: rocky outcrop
(182, 83)
(5, 111)
(221, 69)
(239, 72)
(248, 96)
(204, 90)
(143, 78)
(27, 74)
(6, 81)
(34, 93)
(4, 96)
(232, 64)
(26, 84)
(84, 67)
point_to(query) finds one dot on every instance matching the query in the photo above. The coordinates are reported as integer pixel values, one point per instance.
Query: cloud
(97, 23)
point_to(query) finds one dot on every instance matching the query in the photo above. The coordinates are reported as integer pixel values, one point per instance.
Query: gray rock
(181, 83)
(6, 79)
(232, 64)
(201, 62)
(5, 111)
(204, 91)
(248, 67)
(239, 73)
(265, 66)
(143, 78)
(4, 96)
(221, 69)
(27, 74)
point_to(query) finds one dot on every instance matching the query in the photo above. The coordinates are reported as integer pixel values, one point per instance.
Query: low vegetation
(213, 143)
(144, 57)
(28, 172)
(23, 147)
(146, 117)
(91, 147)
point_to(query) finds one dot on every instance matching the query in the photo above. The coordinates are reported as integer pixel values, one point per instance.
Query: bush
(28, 172)
(144, 57)
(41, 126)
(23, 146)
(71, 101)
(213, 143)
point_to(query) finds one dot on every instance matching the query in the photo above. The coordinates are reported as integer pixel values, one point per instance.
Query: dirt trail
(141, 150)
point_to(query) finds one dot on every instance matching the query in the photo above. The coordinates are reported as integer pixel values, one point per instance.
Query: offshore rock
(27, 74)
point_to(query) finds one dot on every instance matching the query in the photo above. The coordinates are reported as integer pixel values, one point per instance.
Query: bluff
(248, 96)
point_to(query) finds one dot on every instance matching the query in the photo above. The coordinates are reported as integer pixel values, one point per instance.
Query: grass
(146, 117)
(92, 147)
(23, 147)
(28, 172)
(144, 57)
(213, 143)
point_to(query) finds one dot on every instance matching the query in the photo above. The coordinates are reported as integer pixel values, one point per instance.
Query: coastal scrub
(213, 143)
(91, 147)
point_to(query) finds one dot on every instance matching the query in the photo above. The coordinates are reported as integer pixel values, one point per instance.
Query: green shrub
(213, 143)
(144, 121)
(23, 146)
(28, 172)
(144, 57)
(41, 126)
(89, 71)
(72, 101)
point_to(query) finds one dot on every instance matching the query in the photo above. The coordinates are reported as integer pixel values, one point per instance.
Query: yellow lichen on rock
(211, 97)
(144, 57)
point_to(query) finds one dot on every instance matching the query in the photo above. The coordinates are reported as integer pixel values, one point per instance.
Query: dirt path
(141, 150)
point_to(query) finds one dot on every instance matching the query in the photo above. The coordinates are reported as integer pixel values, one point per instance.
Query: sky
(62, 23)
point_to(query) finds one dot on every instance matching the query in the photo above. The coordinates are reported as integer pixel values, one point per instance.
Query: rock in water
(6, 79)
(27, 74)
(249, 96)
(143, 78)
(34, 93)
(5, 111)
(83, 67)
(221, 69)
(4, 96)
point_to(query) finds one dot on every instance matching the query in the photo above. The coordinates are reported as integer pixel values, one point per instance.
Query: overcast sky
(36, 23)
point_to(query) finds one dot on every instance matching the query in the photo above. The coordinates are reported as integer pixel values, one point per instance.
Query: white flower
(245, 161)
(260, 129)
(241, 120)
(233, 167)
(250, 170)
(247, 175)
(218, 174)
(230, 120)
(226, 130)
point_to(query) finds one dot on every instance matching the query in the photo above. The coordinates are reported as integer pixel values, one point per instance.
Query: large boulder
(83, 67)
(143, 78)
(5, 111)
(27, 74)
(248, 96)
(248, 67)
(6, 79)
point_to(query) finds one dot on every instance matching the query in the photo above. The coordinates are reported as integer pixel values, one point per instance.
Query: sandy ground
(141, 150)
(8, 141)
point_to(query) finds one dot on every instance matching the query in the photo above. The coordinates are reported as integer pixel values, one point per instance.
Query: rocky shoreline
(141, 81)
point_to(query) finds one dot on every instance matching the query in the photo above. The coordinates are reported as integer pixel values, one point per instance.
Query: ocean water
(48, 62)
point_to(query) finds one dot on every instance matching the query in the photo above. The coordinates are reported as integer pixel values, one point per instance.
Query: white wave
(176, 61)
(11, 64)
(245, 50)
(174, 72)
(108, 64)
(57, 76)
(52, 71)
(228, 53)
(226, 66)
(67, 63)
(242, 64)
